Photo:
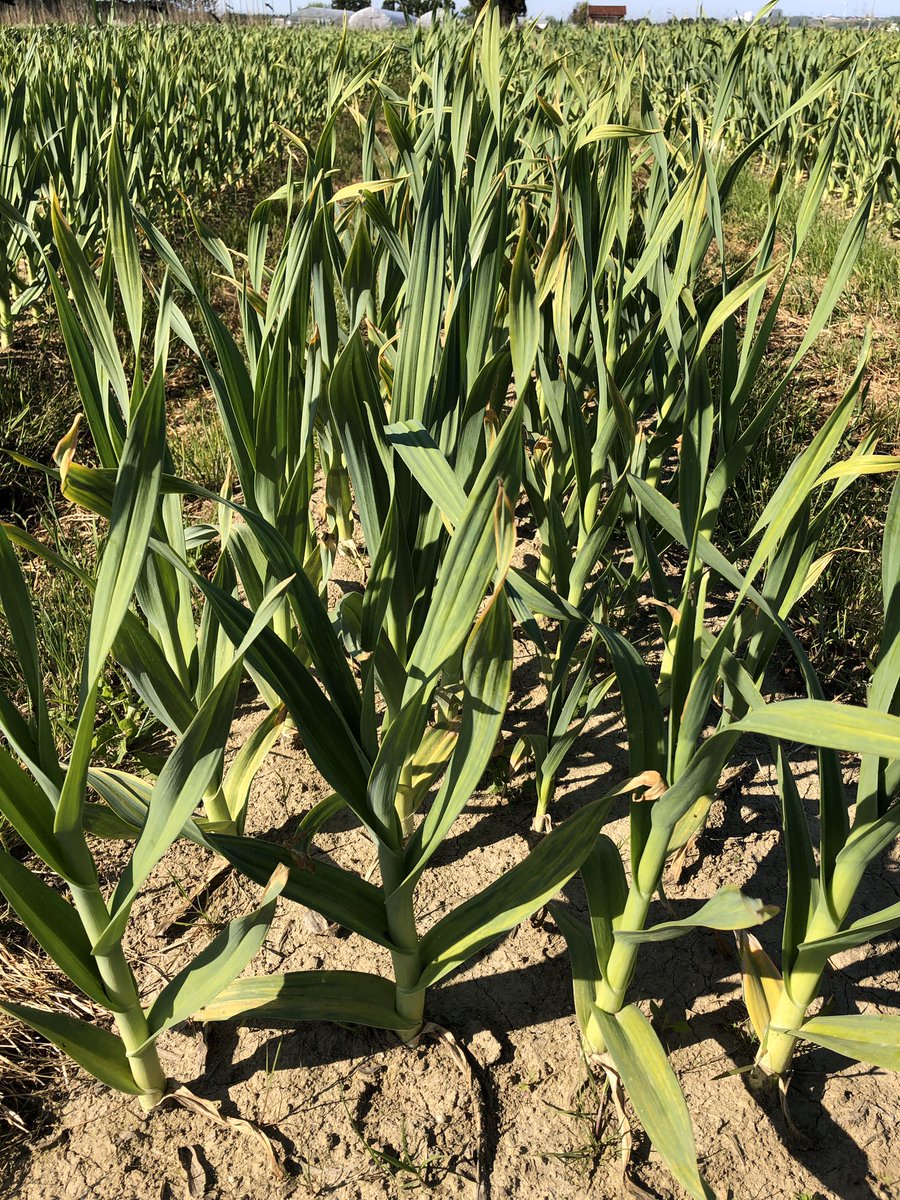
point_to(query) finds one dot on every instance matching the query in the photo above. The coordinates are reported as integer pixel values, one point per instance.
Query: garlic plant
(45, 801)
(821, 887)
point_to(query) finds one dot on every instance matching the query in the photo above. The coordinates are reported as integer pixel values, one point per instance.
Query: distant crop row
(202, 108)
(198, 108)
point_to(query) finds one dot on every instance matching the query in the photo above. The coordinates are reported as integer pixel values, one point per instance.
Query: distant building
(831, 21)
(606, 14)
(375, 18)
(316, 14)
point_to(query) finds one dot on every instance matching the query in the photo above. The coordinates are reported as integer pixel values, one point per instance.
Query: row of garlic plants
(524, 314)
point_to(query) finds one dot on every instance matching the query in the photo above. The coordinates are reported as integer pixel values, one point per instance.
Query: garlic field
(450, 587)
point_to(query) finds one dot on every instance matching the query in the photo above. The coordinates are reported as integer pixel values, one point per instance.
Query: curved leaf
(101, 1053)
(354, 997)
(654, 1091)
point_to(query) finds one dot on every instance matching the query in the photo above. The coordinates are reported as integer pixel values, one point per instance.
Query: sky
(661, 10)
(656, 10)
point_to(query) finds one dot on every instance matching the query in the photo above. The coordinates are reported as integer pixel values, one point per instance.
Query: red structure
(606, 14)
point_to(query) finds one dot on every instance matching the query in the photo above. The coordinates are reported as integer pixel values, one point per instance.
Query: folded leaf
(654, 1091)
(129, 798)
(822, 723)
(867, 1037)
(338, 895)
(100, 1052)
(31, 814)
(728, 909)
(517, 894)
(864, 930)
(182, 782)
(215, 967)
(354, 997)
(761, 982)
(54, 924)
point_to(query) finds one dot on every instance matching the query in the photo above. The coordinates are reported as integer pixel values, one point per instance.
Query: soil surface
(351, 1113)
